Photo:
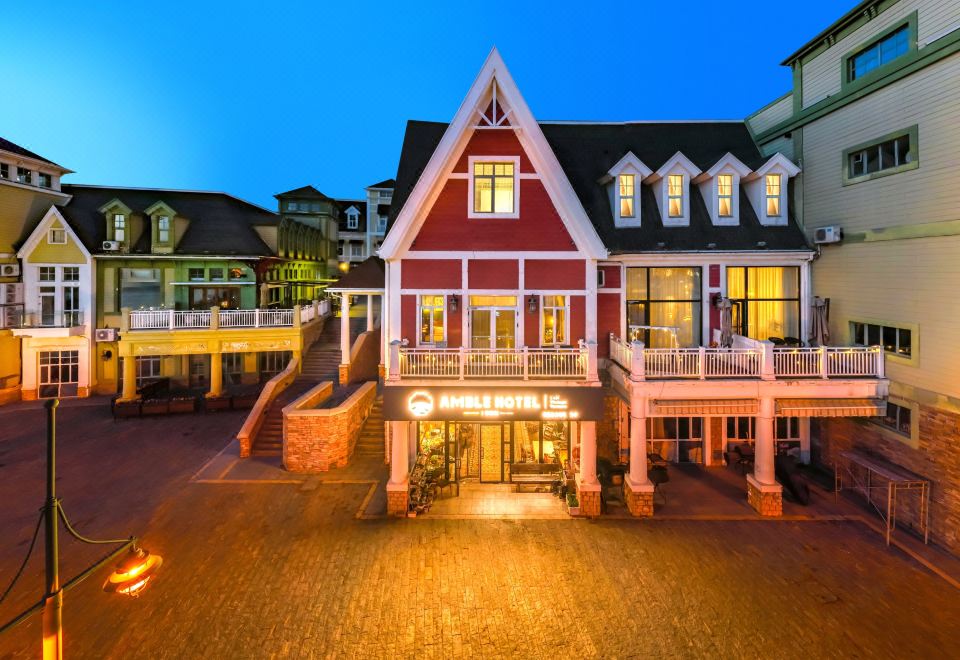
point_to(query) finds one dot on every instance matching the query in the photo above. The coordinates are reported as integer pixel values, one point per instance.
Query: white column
(369, 312)
(588, 453)
(344, 328)
(638, 447)
(763, 471)
(399, 462)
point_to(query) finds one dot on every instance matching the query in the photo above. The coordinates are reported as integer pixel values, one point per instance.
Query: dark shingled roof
(344, 204)
(219, 223)
(587, 152)
(387, 183)
(303, 192)
(370, 274)
(7, 145)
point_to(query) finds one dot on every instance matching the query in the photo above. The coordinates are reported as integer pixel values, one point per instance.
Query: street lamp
(131, 576)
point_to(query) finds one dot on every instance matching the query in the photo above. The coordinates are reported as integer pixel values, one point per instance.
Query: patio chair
(659, 475)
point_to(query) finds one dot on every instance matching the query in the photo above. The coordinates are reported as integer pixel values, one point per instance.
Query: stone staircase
(321, 363)
(370, 442)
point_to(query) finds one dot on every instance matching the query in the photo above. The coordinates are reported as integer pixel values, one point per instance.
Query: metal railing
(748, 359)
(461, 363)
(14, 316)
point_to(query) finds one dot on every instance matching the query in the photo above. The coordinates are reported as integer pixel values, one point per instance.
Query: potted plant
(183, 404)
(573, 504)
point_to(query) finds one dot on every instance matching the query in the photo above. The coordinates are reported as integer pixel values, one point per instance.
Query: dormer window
(24, 175)
(767, 189)
(163, 229)
(494, 192)
(119, 227)
(675, 195)
(353, 220)
(628, 197)
(44, 180)
(725, 195)
(772, 195)
(161, 218)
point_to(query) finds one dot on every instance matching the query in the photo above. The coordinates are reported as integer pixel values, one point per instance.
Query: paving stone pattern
(265, 570)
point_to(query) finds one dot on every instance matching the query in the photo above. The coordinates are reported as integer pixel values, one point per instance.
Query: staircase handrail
(274, 387)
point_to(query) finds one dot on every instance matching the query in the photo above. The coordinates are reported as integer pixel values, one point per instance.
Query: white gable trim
(729, 161)
(630, 160)
(778, 160)
(451, 146)
(40, 233)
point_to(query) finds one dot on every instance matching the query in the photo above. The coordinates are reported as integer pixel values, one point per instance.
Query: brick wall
(936, 458)
(317, 440)
(608, 430)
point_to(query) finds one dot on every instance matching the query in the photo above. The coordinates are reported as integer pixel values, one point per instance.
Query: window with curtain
(663, 306)
(773, 194)
(627, 196)
(766, 301)
(554, 312)
(725, 195)
(431, 320)
(675, 195)
(493, 187)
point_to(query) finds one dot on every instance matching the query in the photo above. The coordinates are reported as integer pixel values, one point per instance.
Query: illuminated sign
(492, 403)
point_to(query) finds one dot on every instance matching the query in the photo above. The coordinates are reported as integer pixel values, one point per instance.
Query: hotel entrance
(468, 452)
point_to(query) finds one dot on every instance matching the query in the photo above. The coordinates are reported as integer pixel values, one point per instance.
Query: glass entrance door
(491, 453)
(493, 322)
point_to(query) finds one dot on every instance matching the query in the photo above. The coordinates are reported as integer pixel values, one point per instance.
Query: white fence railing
(563, 363)
(169, 319)
(748, 359)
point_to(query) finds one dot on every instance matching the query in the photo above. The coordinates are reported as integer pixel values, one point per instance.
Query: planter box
(245, 401)
(216, 403)
(183, 405)
(155, 407)
(126, 409)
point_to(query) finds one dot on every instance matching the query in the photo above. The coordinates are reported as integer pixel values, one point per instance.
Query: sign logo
(420, 404)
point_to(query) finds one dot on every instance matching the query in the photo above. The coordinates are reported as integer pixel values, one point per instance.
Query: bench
(534, 473)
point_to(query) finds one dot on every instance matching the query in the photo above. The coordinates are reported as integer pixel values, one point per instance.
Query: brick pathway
(257, 569)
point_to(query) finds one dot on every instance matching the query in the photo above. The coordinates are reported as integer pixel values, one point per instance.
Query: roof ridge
(171, 190)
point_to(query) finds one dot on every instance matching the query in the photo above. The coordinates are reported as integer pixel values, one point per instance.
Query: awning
(831, 407)
(701, 407)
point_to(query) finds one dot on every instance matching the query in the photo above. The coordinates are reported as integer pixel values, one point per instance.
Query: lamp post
(130, 576)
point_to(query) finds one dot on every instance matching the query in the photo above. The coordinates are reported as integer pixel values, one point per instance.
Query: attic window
(494, 191)
(725, 195)
(772, 182)
(675, 195)
(119, 227)
(627, 196)
(57, 237)
(163, 229)
(353, 220)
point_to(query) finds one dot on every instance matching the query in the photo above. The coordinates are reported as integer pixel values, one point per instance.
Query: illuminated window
(725, 195)
(766, 301)
(431, 320)
(554, 315)
(493, 188)
(675, 195)
(163, 229)
(773, 194)
(663, 306)
(627, 196)
(119, 227)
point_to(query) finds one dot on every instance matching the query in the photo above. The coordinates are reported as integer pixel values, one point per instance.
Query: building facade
(305, 245)
(872, 120)
(363, 224)
(543, 278)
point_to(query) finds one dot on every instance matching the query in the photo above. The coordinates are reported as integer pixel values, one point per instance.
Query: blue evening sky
(254, 99)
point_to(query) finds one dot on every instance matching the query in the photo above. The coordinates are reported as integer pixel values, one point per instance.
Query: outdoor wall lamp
(532, 304)
(454, 302)
(106, 355)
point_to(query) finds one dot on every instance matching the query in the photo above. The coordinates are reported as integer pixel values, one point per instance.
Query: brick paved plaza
(256, 568)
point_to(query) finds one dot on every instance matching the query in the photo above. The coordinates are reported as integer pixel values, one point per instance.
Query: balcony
(213, 319)
(475, 363)
(748, 360)
(29, 323)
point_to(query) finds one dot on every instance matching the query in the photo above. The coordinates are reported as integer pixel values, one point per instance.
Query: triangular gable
(678, 161)
(494, 80)
(728, 161)
(630, 161)
(52, 219)
(778, 160)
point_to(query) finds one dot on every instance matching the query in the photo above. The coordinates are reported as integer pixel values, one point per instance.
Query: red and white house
(543, 276)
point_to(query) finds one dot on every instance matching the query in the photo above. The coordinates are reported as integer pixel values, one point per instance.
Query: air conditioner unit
(111, 246)
(10, 270)
(832, 234)
(105, 334)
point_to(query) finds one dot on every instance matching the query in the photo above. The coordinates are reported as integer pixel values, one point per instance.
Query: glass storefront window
(676, 439)
(140, 288)
(663, 306)
(541, 442)
(766, 301)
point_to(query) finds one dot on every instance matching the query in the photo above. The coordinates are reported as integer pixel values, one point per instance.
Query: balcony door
(493, 322)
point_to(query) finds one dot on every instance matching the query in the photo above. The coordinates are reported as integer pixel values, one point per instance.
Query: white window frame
(474, 215)
(726, 217)
(446, 327)
(123, 228)
(353, 220)
(356, 249)
(632, 196)
(566, 319)
(779, 196)
(682, 197)
(55, 231)
(161, 230)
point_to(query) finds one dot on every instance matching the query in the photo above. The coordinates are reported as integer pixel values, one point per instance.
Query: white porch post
(763, 471)
(344, 328)
(399, 458)
(588, 453)
(638, 447)
(369, 312)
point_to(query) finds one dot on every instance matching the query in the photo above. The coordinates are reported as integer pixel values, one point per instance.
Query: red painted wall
(430, 274)
(494, 143)
(408, 319)
(608, 320)
(554, 273)
(454, 324)
(578, 316)
(493, 273)
(531, 323)
(611, 277)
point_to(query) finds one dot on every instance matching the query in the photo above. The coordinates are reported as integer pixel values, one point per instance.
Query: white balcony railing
(748, 359)
(524, 363)
(169, 319)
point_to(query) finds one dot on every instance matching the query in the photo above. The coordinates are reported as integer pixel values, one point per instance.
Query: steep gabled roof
(386, 183)
(369, 275)
(361, 206)
(303, 192)
(7, 145)
(220, 224)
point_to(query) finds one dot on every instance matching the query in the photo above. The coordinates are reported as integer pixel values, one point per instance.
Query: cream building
(872, 120)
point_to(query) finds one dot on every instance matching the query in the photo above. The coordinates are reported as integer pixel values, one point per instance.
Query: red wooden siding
(493, 273)
(611, 277)
(408, 319)
(608, 320)
(578, 319)
(494, 143)
(554, 274)
(454, 324)
(539, 226)
(531, 323)
(430, 274)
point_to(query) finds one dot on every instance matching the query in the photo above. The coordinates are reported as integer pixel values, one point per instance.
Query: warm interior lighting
(344, 266)
(133, 572)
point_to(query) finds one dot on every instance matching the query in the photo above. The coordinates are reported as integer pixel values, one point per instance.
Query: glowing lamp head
(133, 573)
(344, 266)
